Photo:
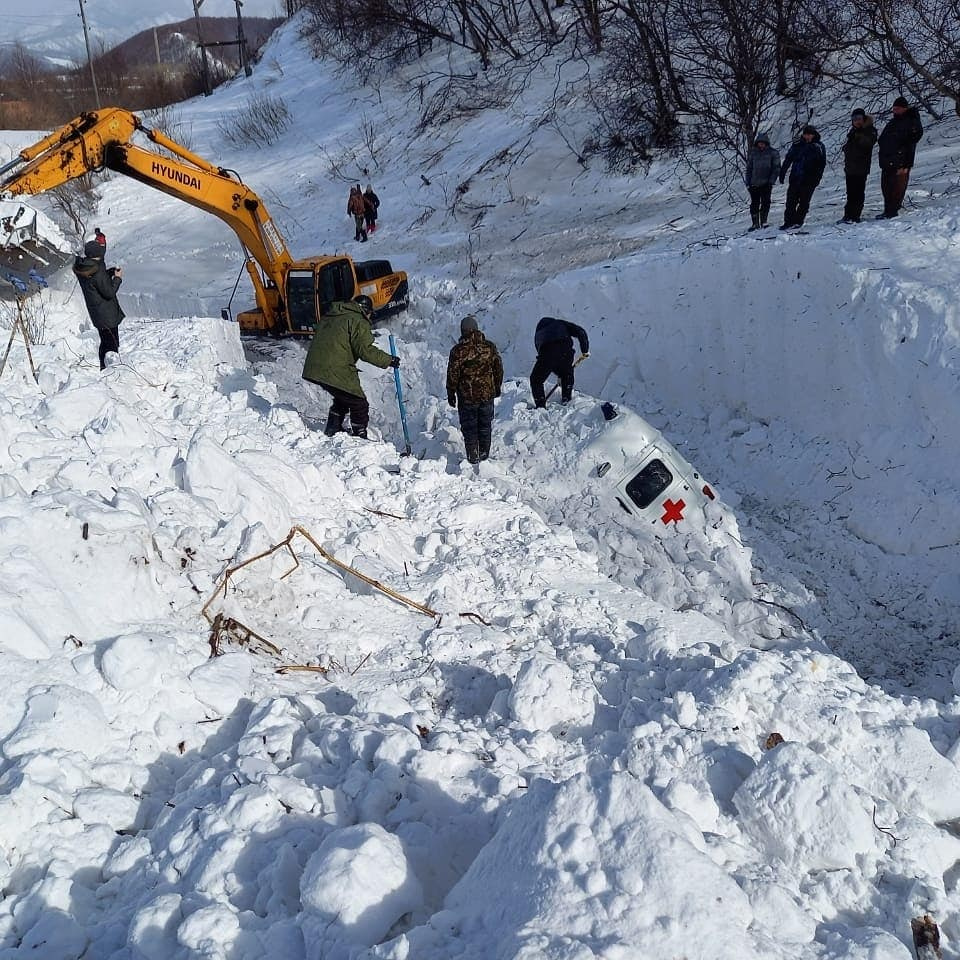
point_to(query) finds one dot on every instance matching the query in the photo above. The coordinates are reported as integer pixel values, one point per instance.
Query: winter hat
(93, 249)
(468, 324)
(809, 129)
(763, 138)
(859, 112)
(901, 102)
(100, 236)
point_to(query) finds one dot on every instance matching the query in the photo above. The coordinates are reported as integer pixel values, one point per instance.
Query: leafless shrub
(169, 121)
(261, 122)
(76, 202)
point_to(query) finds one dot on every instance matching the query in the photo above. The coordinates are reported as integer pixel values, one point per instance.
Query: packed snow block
(903, 766)
(137, 660)
(152, 932)
(800, 810)
(100, 805)
(19, 636)
(546, 694)
(596, 853)
(212, 474)
(221, 682)
(354, 888)
(70, 718)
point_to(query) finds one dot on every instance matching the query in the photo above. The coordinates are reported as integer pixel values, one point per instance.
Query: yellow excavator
(291, 295)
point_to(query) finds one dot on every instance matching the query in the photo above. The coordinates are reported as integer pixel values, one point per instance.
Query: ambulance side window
(649, 483)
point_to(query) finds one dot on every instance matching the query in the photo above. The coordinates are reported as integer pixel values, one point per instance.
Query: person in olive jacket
(895, 154)
(857, 154)
(806, 160)
(99, 286)
(474, 381)
(763, 167)
(343, 336)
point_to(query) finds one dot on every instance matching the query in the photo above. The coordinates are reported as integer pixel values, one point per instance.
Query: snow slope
(571, 760)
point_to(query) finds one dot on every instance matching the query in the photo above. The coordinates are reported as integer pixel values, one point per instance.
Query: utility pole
(204, 68)
(86, 40)
(242, 43)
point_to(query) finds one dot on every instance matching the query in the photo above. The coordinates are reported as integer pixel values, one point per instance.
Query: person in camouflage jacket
(343, 336)
(474, 380)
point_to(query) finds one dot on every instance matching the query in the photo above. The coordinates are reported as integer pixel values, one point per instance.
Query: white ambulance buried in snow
(647, 476)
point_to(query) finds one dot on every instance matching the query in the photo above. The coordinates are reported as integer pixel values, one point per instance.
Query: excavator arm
(102, 139)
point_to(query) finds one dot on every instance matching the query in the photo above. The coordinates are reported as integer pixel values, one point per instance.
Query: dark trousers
(109, 343)
(347, 405)
(760, 204)
(856, 190)
(361, 234)
(799, 193)
(371, 217)
(476, 422)
(894, 187)
(554, 358)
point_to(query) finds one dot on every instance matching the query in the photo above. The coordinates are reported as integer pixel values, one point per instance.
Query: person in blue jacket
(806, 161)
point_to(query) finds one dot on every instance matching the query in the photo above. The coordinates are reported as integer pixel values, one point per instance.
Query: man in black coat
(554, 342)
(897, 148)
(857, 154)
(806, 161)
(99, 286)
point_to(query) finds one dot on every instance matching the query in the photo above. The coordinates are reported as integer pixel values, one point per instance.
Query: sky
(571, 754)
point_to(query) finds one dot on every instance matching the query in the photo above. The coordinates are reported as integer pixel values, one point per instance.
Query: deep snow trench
(811, 388)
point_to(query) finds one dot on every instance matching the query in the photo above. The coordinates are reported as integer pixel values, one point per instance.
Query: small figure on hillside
(342, 338)
(806, 161)
(99, 286)
(763, 168)
(857, 154)
(474, 380)
(895, 154)
(357, 208)
(554, 342)
(100, 237)
(371, 204)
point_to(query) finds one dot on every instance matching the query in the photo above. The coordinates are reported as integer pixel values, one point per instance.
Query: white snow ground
(577, 769)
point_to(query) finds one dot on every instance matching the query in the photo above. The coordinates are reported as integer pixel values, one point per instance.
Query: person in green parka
(343, 336)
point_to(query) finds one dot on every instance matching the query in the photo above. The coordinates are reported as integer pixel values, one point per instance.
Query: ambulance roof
(620, 441)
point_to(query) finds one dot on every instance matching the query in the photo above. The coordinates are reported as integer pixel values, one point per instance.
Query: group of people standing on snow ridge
(474, 370)
(363, 206)
(807, 159)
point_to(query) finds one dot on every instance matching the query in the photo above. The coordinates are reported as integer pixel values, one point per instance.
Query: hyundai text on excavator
(291, 295)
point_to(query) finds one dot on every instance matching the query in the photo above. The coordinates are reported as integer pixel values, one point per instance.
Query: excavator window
(334, 282)
(301, 302)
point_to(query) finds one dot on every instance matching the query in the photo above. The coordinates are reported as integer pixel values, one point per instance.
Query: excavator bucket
(31, 250)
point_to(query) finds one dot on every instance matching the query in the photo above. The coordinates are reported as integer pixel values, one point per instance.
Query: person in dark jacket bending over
(99, 286)
(343, 336)
(857, 154)
(763, 166)
(554, 342)
(805, 160)
(474, 380)
(897, 147)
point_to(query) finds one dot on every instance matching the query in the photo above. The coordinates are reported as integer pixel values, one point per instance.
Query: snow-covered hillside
(574, 758)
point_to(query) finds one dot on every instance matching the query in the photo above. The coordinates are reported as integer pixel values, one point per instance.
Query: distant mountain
(52, 28)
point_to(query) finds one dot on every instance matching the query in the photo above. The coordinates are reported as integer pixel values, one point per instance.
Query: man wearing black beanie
(895, 154)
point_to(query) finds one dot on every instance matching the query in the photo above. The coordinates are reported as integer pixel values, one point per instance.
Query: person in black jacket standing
(897, 148)
(99, 286)
(554, 342)
(857, 154)
(807, 158)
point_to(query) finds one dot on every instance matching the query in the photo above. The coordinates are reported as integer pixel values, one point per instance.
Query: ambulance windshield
(649, 483)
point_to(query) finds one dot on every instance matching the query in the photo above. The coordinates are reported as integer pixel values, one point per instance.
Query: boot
(360, 432)
(484, 449)
(473, 453)
(334, 423)
(756, 224)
